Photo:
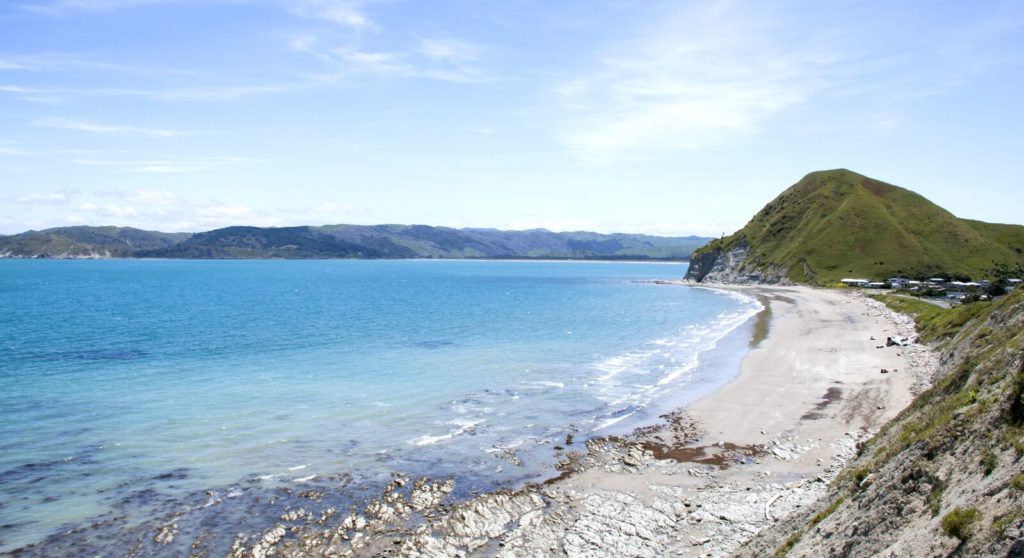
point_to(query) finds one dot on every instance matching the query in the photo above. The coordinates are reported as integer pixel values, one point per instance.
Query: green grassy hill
(837, 223)
(344, 241)
(72, 242)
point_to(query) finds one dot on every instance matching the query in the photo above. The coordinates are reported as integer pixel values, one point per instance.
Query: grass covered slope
(946, 476)
(109, 242)
(837, 223)
(344, 241)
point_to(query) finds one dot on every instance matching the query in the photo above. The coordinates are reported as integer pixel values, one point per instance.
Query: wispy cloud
(346, 13)
(435, 59)
(49, 198)
(449, 50)
(168, 211)
(164, 165)
(60, 7)
(713, 72)
(105, 129)
(705, 75)
(7, 64)
(197, 93)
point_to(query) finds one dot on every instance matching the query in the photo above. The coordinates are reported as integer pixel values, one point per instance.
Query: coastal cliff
(837, 223)
(945, 477)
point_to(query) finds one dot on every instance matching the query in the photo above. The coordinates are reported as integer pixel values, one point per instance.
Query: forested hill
(343, 241)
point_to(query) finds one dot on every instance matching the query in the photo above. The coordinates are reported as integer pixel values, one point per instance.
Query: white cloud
(332, 207)
(442, 60)
(710, 72)
(705, 75)
(105, 129)
(449, 50)
(164, 165)
(195, 93)
(11, 151)
(9, 65)
(153, 197)
(35, 198)
(341, 12)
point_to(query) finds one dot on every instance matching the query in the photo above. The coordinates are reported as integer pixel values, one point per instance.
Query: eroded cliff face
(944, 478)
(734, 265)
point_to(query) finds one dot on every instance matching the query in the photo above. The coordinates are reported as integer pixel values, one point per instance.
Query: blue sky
(654, 117)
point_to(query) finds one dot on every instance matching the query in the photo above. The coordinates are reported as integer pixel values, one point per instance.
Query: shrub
(828, 511)
(988, 462)
(1018, 482)
(788, 545)
(1017, 399)
(958, 522)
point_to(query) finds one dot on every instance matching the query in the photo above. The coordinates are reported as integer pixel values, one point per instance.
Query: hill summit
(837, 223)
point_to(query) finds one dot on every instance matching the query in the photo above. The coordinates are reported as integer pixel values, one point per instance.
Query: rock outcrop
(731, 265)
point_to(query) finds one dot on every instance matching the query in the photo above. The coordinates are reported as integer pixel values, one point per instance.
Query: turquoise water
(134, 391)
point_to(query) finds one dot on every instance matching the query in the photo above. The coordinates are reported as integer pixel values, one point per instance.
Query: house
(1012, 283)
(899, 282)
(964, 286)
(875, 285)
(936, 281)
(855, 282)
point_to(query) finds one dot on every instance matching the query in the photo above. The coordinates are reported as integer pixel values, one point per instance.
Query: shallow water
(133, 392)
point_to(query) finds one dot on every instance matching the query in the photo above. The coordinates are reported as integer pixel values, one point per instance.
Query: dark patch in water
(95, 355)
(207, 520)
(180, 473)
(32, 473)
(434, 343)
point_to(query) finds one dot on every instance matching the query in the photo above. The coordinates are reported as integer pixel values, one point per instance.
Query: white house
(855, 282)
(899, 282)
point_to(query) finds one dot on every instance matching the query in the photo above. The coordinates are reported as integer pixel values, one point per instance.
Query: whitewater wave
(629, 382)
(464, 426)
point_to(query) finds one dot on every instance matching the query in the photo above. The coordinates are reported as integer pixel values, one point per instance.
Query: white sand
(736, 461)
(780, 409)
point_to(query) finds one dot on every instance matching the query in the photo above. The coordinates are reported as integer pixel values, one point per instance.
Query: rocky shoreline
(697, 485)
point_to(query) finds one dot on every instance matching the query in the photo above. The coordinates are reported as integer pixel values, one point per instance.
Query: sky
(669, 118)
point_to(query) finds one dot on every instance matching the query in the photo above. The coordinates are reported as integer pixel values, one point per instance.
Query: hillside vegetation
(343, 241)
(107, 242)
(946, 477)
(837, 223)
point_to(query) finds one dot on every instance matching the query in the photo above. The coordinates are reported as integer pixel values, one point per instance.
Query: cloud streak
(167, 211)
(435, 59)
(104, 129)
(164, 165)
(706, 74)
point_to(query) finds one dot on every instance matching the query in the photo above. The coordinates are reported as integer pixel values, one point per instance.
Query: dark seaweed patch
(95, 355)
(434, 344)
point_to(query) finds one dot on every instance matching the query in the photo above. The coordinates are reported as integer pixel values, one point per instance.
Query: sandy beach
(821, 380)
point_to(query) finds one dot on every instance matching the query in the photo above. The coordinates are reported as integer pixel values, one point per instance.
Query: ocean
(216, 394)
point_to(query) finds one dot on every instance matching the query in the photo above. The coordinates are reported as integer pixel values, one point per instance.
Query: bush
(1017, 399)
(1018, 482)
(958, 522)
(988, 462)
(823, 514)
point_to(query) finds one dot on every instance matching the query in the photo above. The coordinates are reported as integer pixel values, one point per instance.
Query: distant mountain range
(343, 241)
(837, 223)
